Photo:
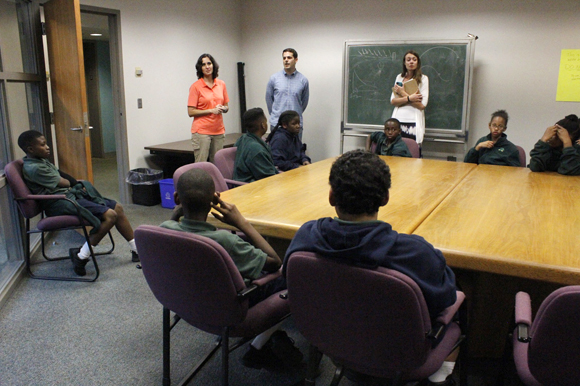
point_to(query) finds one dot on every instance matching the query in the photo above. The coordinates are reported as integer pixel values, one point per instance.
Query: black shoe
(262, 359)
(135, 257)
(78, 263)
(284, 349)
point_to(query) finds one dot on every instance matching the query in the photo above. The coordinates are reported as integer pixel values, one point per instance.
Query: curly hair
(199, 65)
(360, 182)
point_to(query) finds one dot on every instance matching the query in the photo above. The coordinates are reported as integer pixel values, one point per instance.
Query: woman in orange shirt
(208, 100)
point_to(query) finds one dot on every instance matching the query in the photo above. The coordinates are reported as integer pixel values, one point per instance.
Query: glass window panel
(9, 252)
(23, 106)
(16, 40)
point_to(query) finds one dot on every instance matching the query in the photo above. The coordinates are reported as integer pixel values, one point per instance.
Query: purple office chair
(224, 160)
(411, 145)
(211, 169)
(29, 207)
(194, 277)
(547, 350)
(522, 154)
(371, 322)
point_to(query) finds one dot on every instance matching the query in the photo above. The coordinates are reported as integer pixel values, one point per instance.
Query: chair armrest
(233, 183)
(267, 278)
(523, 316)
(446, 316)
(38, 197)
(257, 283)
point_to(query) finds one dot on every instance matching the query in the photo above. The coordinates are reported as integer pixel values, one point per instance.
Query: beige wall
(516, 57)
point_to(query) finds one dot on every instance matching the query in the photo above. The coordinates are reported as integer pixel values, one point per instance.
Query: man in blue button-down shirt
(287, 90)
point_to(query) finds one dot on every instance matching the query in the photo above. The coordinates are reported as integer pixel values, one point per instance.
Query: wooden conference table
(277, 206)
(496, 219)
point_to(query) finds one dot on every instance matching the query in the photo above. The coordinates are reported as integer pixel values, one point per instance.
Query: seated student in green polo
(494, 148)
(195, 196)
(390, 141)
(42, 177)
(253, 158)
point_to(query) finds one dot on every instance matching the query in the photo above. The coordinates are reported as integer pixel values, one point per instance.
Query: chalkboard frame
(436, 133)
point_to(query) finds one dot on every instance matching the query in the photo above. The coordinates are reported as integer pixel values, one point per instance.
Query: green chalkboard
(371, 68)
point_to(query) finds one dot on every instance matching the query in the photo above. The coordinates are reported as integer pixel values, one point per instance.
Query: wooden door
(67, 75)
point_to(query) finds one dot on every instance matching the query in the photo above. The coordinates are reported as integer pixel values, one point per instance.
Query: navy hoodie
(374, 243)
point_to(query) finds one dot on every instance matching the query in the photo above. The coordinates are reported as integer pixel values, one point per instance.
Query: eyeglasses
(501, 127)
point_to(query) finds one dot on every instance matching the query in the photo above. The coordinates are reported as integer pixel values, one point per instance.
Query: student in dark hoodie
(287, 150)
(359, 186)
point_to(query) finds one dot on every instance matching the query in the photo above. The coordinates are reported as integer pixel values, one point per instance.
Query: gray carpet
(109, 332)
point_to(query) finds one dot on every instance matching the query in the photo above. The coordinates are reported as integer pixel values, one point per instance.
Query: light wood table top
(511, 221)
(277, 206)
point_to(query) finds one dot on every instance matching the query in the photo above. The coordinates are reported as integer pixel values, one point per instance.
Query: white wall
(164, 39)
(516, 56)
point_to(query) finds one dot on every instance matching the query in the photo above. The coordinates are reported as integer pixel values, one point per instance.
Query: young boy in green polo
(390, 141)
(42, 177)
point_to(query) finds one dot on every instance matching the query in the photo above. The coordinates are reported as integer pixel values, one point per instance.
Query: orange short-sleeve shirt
(203, 98)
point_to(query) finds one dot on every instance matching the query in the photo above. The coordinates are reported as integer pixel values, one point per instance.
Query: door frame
(118, 87)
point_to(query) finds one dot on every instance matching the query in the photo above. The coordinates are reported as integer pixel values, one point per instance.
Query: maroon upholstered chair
(224, 160)
(413, 147)
(211, 169)
(194, 277)
(547, 350)
(522, 154)
(368, 321)
(29, 207)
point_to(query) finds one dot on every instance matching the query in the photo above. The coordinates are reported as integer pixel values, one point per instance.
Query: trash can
(145, 186)
(166, 189)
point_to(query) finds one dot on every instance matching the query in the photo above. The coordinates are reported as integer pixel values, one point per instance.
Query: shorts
(97, 209)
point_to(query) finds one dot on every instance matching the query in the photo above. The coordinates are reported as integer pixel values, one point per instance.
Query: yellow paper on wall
(569, 77)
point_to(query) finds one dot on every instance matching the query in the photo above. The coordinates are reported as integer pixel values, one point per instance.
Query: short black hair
(196, 189)
(500, 113)
(360, 182)
(252, 119)
(571, 124)
(294, 53)
(285, 118)
(394, 120)
(199, 65)
(28, 138)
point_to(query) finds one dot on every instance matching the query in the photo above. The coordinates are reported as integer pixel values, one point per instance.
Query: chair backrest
(224, 160)
(522, 156)
(372, 321)
(554, 349)
(211, 169)
(191, 275)
(14, 176)
(413, 147)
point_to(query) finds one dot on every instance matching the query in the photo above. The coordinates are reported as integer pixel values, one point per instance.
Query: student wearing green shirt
(494, 148)
(195, 197)
(42, 177)
(253, 158)
(390, 142)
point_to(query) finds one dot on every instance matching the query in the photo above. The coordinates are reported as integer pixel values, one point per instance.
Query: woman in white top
(410, 108)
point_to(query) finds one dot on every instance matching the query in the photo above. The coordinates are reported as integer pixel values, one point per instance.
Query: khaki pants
(205, 146)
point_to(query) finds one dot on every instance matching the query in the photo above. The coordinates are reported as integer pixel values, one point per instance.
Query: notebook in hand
(411, 87)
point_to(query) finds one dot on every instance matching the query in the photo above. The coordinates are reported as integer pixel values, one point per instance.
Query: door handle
(77, 129)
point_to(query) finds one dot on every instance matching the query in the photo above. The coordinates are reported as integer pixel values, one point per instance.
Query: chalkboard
(370, 70)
